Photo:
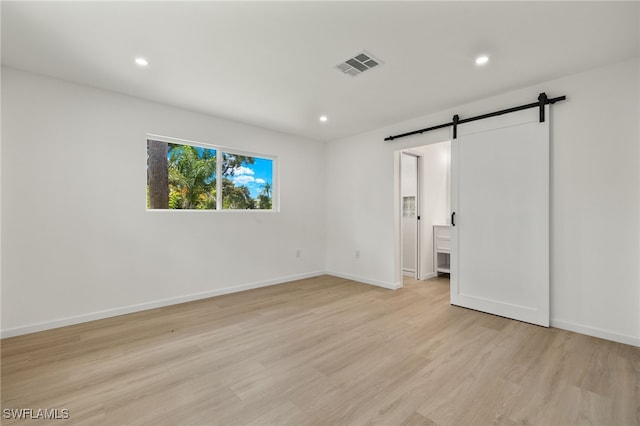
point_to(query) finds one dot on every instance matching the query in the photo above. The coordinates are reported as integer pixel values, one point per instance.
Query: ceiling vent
(358, 64)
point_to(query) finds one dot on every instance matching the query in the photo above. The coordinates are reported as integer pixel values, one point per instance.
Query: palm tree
(192, 177)
(264, 199)
(267, 189)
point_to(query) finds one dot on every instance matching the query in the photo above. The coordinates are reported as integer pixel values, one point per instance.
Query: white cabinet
(442, 248)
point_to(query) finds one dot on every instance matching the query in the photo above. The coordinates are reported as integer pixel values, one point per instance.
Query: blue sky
(255, 176)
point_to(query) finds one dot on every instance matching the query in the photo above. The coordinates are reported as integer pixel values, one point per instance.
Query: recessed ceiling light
(142, 62)
(482, 60)
(323, 118)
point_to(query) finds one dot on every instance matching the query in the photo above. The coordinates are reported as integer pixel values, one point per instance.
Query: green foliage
(192, 180)
(264, 199)
(264, 202)
(191, 177)
(236, 197)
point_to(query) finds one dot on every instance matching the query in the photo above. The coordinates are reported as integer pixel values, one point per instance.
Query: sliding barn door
(500, 196)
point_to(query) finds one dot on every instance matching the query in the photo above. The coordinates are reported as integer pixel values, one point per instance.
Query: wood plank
(319, 351)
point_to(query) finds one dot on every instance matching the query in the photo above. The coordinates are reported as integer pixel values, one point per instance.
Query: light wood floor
(322, 351)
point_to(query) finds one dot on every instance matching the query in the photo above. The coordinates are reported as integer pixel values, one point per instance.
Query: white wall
(77, 241)
(361, 215)
(595, 204)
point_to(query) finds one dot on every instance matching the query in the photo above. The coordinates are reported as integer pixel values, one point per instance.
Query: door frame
(397, 211)
(417, 250)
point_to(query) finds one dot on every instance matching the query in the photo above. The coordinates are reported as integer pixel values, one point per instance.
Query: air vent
(358, 64)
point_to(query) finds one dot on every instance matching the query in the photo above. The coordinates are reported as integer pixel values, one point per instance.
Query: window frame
(220, 149)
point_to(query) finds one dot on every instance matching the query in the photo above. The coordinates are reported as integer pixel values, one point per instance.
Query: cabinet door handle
(453, 219)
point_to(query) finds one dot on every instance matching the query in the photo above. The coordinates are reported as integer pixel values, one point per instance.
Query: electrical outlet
(357, 254)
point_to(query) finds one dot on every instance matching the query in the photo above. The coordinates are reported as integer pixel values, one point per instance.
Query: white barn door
(500, 196)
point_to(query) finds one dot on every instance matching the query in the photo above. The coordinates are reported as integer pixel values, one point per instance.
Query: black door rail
(542, 101)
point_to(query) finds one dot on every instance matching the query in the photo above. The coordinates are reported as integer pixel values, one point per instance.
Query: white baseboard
(390, 286)
(47, 325)
(596, 332)
(63, 322)
(428, 276)
(411, 274)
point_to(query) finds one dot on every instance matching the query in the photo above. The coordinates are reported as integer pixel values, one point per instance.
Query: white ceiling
(272, 63)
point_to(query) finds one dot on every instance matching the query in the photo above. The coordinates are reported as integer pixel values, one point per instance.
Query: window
(185, 177)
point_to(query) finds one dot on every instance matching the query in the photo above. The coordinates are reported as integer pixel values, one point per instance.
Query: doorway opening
(424, 202)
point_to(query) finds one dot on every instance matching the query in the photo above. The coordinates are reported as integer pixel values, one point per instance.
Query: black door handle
(453, 219)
